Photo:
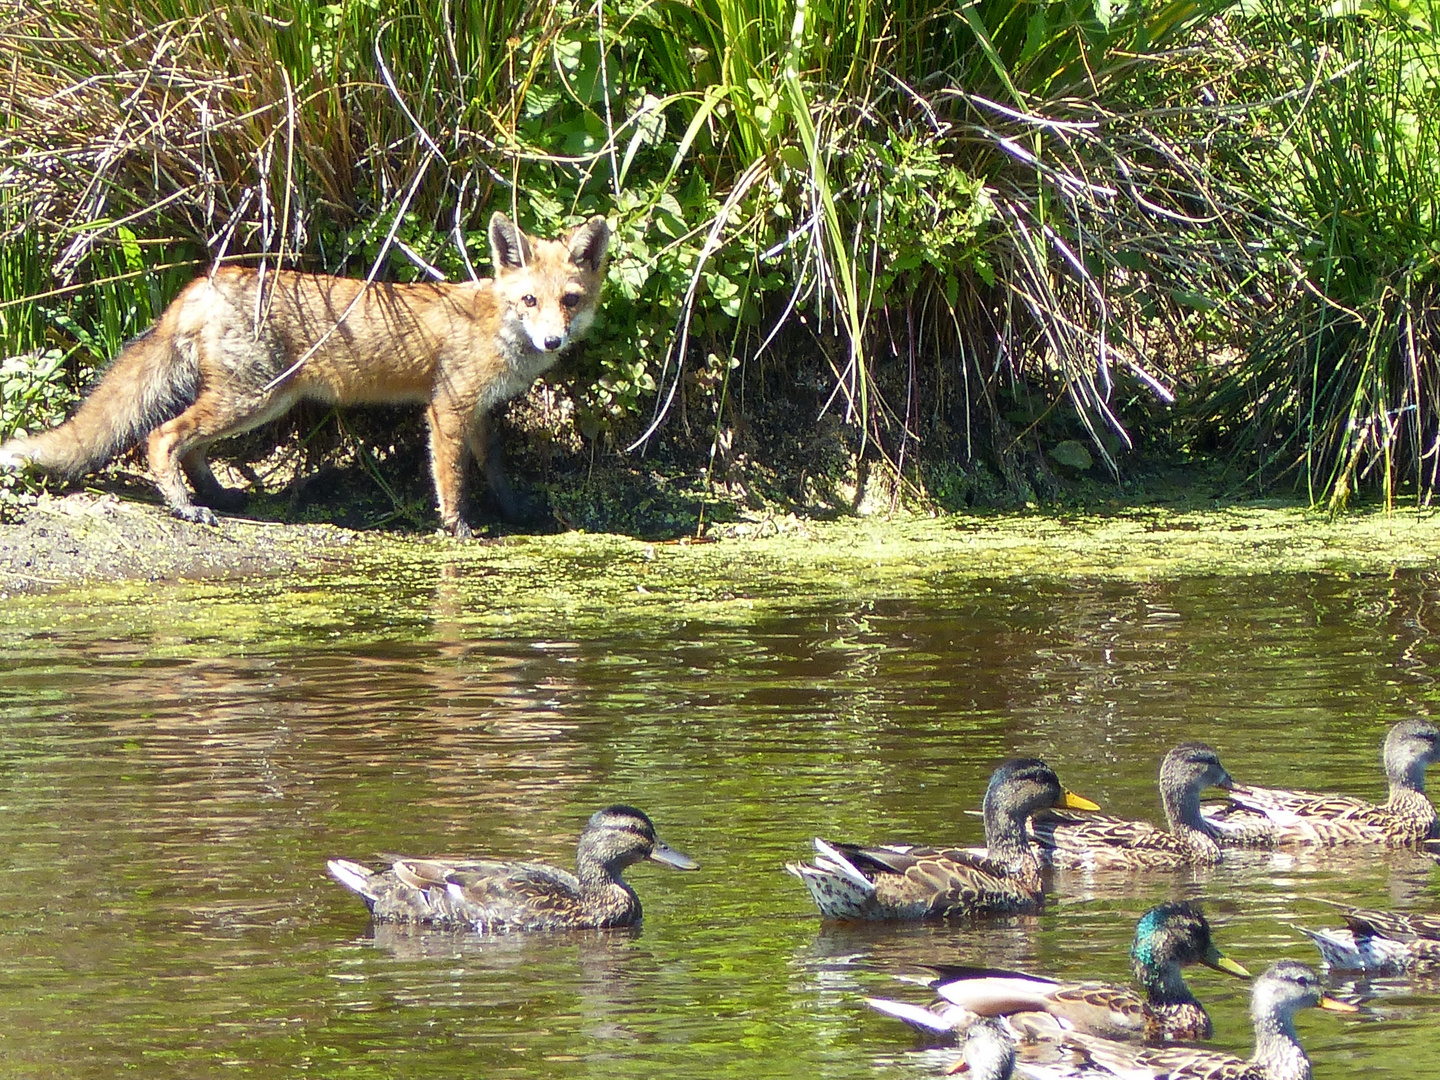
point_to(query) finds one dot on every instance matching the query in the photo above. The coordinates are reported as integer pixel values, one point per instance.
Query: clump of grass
(1003, 228)
(1338, 385)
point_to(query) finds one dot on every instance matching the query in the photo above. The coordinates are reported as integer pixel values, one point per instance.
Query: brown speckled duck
(491, 896)
(907, 881)
(1101, 842)
(1270, 817)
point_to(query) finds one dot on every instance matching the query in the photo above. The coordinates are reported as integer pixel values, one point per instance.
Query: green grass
(1005, 225)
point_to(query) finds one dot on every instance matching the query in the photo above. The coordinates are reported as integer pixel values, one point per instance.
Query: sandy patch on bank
(70, 539)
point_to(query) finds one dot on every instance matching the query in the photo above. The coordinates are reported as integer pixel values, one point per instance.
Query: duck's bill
(1337, 1006)
(1070, 801)
(666, 854)
(960, 1066)
(1220, 962)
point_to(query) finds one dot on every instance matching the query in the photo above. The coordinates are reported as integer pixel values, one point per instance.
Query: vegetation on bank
(1010, 237)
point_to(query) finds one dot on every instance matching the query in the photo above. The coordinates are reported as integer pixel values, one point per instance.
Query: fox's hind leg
(180, 444)
(484, 443)
(209, 491)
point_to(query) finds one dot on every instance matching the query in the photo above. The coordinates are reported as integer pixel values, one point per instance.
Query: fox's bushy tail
(152, 380)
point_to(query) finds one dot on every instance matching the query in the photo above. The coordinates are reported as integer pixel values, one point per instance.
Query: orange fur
(204, 370)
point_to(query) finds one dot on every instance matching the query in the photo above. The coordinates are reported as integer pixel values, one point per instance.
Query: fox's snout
(544, 333)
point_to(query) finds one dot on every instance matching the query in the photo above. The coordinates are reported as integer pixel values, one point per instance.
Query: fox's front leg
(449, 427)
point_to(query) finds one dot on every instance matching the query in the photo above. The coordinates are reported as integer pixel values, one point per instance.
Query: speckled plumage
(907, 881)
(1269, 817)
(1167, 937)
(1101, 842)
(493, 896)
(988, 1052)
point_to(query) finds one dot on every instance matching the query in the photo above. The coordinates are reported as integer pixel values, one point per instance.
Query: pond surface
(178, 763)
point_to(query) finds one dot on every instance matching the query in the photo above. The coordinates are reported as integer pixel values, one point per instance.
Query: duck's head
(621, 835)
(1177, 933)
(989, 1051)
(1409, 748)
(1195, 766)
(1286, 988)
(1024, 786)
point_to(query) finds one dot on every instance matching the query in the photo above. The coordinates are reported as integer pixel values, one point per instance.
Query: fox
(238, 347)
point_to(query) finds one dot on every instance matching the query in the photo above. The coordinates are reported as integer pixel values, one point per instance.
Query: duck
(1380, 942)
(1102, 842)
(490, 896)
(1276, 996)
(989, 1051)
(1168, 937)
(1269, 817)
(908, 881)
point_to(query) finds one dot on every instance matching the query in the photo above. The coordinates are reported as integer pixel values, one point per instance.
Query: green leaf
(1073, 454)
(1196, 300)
(130, 249)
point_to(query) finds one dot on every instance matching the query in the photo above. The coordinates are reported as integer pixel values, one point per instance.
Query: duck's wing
(1380, 941)
(1280, 816)
(513, 895)
(908, 881)
(952, 881)
(1130, 1062)
(1102, 841)
(940, 1019)
(408, 891)
(1114, 1012)
(1396, 925)
(989, 991)
(419, 873)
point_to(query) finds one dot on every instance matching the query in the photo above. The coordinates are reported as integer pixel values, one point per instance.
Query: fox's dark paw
(199, 515)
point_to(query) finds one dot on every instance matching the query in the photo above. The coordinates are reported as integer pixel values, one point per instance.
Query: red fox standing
(227, 356)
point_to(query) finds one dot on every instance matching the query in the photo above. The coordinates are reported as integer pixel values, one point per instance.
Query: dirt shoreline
(73, 539)
(95, 538)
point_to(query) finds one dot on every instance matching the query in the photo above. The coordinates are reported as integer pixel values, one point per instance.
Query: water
(175, 772)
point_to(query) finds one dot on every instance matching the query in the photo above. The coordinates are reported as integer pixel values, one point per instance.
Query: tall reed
(959, 207)
(1339, 385)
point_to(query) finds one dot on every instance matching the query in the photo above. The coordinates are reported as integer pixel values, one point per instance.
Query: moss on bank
(257, 585)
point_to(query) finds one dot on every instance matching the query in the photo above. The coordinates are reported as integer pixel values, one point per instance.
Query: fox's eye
(570, 299)
(528, 300)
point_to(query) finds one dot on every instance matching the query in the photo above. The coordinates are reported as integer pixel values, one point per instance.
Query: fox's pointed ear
(509, 247)
(589, 243)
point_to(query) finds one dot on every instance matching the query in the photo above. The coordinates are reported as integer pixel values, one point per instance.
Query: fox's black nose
(553, 342)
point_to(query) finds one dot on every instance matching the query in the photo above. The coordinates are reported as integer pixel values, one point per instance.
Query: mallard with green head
(491, 896)
(1101, 842)
(1168, 938)
(1275, 998)
(907, 881)
(1270, 817)
(1380, 942)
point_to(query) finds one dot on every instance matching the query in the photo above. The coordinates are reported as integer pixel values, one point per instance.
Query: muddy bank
(71, 539)
(89, 537)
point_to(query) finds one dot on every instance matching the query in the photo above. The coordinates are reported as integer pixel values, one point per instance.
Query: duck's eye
(529, 300)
